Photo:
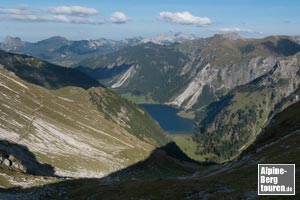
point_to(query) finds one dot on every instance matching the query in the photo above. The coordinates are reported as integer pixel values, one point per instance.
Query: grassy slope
(64, 126)
(132, 118)
(138, 99)
(188, 145)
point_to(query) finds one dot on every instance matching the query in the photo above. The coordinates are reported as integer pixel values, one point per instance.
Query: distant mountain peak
(297, 38)
(230, 36)
(166, 39)
(55, 39)
(12, 40)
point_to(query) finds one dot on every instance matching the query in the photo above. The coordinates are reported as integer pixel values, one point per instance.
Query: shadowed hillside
(43, 73)
(18, 157)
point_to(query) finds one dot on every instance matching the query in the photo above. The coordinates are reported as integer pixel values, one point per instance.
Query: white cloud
(119, 18)
(185, 18)
(72, 10)
(238, 30)
(15, 11)
(55, 18)
(59, 14)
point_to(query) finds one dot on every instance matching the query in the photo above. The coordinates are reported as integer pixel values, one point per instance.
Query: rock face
(7, 162)
(192, 74)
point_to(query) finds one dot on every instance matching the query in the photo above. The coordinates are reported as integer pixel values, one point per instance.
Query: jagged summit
(12, 44)
(167, 39)
(12, 40)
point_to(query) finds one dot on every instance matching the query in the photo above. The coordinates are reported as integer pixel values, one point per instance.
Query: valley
(190, 87)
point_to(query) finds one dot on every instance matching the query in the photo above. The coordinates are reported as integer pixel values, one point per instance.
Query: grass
(12, 176)
(4, 182)
(140, 99)
(186, 114)
(188, 145)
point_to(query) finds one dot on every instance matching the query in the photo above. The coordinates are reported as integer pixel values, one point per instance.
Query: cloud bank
(55, 18)
(185, 18)
(72, 10)
(15, 11)
(60, 14)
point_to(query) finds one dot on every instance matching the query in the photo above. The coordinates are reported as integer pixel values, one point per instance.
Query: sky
(34, 20)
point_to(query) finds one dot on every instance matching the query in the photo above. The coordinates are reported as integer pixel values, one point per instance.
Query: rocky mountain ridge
(202, 70)
(61, 51)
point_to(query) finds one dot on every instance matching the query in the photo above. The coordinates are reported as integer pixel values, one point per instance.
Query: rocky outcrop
(9, 160)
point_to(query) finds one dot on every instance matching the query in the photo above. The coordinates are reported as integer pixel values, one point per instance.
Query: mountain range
(207, 76)
(191, 74)
(60, 50)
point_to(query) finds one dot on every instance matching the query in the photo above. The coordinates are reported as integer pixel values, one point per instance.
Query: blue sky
(91, 19)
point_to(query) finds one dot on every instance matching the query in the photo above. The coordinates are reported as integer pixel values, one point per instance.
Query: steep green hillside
(228, 126)
(44, 74)
(128, 115)
(148, 69)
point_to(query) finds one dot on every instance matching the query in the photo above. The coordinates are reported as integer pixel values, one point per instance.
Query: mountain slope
(228, 126)
(191, 74)
(43, 73)
(147, 69)
(70, 130)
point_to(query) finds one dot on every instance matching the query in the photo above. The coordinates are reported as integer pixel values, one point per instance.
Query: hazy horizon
(78, 19)
(135, 36)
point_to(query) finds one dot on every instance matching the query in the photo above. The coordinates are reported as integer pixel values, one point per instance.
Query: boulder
(7, 162)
